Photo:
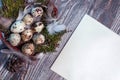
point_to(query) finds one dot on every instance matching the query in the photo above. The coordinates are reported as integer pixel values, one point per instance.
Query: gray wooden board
(105, 11)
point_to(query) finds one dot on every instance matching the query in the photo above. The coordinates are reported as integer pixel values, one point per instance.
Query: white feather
(59, 28)
(28, 9)
(55, 28)
(20, 15)
(49, 28)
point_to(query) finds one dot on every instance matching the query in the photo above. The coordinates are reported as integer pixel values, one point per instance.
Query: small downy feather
(20, 15)
(55, 27)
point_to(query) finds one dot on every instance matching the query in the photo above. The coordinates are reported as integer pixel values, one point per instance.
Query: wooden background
(71, 11)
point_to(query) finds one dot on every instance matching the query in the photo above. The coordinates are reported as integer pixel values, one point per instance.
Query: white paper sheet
(92, 53)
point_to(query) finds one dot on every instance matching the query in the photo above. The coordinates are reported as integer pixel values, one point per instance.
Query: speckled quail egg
(27, 35)
(28, 19)
(18, 27)
(14, 39)
(28, 49)
(38, 38)
(39, 27)
(37, 11)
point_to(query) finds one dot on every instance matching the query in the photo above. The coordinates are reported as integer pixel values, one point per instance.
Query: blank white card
(92, 53)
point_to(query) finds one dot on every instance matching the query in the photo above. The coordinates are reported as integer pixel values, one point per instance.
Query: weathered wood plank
(105, 11)
(116, 23)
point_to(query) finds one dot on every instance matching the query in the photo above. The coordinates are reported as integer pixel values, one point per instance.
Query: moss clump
(11, 7)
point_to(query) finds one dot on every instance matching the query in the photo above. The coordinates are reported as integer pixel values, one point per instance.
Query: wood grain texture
(71, 12)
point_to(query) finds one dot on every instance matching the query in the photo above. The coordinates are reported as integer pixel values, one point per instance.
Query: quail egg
(27, 35)
(38, 39)
(28, 19)
(18, 27)
(14, 39)
(37, 11)
(39, 27)
(28, 48)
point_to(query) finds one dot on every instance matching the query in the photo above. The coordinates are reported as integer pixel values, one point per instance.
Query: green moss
(11, 7)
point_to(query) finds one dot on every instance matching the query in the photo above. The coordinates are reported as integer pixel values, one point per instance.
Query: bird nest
(41, 33)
